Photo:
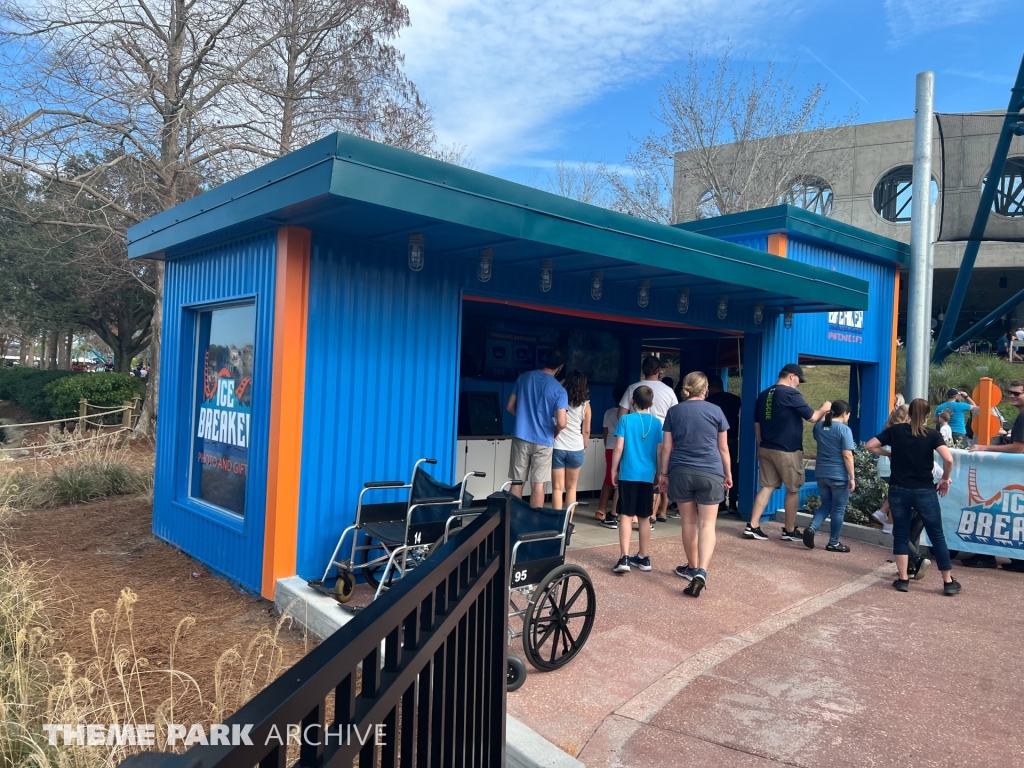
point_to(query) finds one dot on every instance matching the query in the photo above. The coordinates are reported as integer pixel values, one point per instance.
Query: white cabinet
(493, 455)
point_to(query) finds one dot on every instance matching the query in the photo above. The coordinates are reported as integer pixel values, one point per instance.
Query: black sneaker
(610, 522)
(902, 585)
(840, 547)
(755, 533)
(808, 538)
(653, 520)
(673, 513)
(794, 535)
(685, 571)
(622, 566)
(951, 587)
(643, 563)
(1014, 565)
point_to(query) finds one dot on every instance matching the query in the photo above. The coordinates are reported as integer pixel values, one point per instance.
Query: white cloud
(499, 73)
(910, 18)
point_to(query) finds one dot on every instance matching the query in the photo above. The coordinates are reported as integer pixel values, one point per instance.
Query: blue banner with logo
(984, 509)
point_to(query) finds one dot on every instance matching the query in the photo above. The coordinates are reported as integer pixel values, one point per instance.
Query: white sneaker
(887, 528)
(880, 516)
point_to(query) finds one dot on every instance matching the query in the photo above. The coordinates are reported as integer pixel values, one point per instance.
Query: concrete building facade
(861, 176)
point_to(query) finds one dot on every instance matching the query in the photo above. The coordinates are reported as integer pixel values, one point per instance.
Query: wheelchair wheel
(559, 618)
(345, 586)
(516, 674)
(372, 573)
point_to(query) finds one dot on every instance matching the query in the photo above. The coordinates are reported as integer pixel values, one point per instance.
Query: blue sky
(524, 83)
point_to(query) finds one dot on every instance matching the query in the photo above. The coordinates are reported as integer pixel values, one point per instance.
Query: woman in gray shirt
(694, 469)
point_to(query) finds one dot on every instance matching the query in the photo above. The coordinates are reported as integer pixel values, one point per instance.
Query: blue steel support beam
(1011, 125)
(985, 322)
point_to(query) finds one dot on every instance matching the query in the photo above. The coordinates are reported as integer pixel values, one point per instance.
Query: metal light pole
(929, 271)
(918, 325)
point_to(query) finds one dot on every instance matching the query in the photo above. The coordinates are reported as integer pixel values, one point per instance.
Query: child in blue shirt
(634, 464)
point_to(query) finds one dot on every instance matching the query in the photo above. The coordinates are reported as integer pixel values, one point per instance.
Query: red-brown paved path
(791, 656)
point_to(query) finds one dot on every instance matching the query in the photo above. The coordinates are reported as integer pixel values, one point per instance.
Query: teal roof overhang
(801, 223)
(361, 189)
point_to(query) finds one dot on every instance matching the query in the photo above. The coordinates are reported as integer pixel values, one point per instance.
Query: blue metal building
(322, 315)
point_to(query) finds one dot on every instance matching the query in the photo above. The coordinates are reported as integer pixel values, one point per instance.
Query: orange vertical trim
(895, 336)
(287, 389)
(777, 244)
(985, 424)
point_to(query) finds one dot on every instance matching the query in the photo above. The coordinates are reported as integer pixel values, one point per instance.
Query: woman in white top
(571, 442)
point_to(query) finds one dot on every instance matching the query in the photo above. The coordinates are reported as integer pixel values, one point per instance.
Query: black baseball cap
(796, 370)
(952, 392)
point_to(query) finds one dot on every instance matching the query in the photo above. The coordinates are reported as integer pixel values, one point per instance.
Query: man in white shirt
(664, 398)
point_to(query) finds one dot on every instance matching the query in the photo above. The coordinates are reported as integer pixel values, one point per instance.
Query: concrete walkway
(790, 656)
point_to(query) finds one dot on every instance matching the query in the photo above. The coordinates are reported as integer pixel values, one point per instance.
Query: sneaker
(697, 584)
(794, 535)
(880, 516)
(902, 585)
(643, 563)
(653, 521)
(673, 513)
(622, 566)
(685, 571)
(840, 547)
(951, 587)
(809, 538)
(610, 522)
(922, 566)
(1014, 565)
(755, 533)
(887, 529)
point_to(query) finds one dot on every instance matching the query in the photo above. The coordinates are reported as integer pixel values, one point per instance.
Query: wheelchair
(555, 601)
(396, 536)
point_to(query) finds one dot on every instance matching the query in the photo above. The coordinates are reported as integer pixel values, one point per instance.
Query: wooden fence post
(136, 410)
(126, 416)
(83, 411)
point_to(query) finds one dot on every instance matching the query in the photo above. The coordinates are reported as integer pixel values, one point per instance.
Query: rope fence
(97, 420)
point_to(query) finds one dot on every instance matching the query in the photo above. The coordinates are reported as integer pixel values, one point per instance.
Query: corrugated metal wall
(381, 381)
(224, 541)
(810, 335)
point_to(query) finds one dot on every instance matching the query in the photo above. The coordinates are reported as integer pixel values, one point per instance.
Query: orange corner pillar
(280, 535)
(777, 244)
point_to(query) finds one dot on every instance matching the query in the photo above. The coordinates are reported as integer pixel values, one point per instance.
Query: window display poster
(223, 413)
(513, 347)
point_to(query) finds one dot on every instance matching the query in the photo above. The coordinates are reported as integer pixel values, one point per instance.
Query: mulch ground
(91, 552)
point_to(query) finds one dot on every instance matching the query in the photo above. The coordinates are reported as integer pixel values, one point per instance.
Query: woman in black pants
(912, 488)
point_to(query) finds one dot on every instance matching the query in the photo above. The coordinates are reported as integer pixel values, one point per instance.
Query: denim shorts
(562, 459)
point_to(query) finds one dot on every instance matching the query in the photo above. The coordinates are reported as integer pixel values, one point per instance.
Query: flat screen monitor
(479, 414)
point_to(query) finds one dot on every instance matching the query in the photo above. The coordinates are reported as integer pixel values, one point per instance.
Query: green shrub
(25, 387)
(871, 491)
(959, 371)
(106, 390)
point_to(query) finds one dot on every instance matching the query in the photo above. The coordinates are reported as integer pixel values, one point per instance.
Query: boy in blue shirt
(959, 412)
(634, 464)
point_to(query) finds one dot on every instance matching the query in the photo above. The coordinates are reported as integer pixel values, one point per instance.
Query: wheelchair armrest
(537, 535)
(385, 484)
(428, 502)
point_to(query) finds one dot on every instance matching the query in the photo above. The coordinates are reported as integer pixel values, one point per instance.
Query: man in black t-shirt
(730, 405)
(1016, 445)
(779, 427)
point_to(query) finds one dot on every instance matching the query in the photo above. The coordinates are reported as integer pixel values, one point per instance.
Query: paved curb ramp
(321, 616)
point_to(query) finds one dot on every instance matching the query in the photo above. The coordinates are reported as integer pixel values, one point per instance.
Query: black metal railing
(437, 697)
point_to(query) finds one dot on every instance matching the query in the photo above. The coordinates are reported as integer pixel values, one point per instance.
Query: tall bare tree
(172, 96)
(584, 180)
(746, 139)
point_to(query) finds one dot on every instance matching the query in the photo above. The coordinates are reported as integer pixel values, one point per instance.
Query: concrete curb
(852, 531)
(322, 617)
(525, 748)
